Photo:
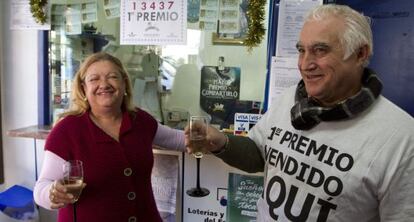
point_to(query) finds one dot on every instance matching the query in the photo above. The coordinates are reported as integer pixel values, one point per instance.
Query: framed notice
(153, 22)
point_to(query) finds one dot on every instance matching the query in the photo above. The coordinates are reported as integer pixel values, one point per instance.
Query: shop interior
(37, 68)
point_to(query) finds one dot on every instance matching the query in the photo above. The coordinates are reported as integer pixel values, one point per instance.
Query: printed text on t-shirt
(306, 173)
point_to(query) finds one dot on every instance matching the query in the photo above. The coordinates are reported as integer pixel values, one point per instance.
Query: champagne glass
(198, 134)
(73, 180)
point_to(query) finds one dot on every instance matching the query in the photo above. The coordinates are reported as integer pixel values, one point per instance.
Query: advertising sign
(243, 193)
(243, 122)
(219, 91)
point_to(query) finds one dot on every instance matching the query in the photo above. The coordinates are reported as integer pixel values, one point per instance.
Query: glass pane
(166, 79)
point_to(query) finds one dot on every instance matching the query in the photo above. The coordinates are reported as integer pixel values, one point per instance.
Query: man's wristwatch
(223, 148)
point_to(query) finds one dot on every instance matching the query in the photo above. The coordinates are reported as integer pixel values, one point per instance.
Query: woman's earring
(85, 99)
(125, 94)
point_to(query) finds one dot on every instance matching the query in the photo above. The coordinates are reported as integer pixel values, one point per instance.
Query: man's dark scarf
(307, 113)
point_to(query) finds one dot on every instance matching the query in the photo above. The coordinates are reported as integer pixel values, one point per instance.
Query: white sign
(291, 17)
(283, 74)
(153, 22)
(22, 18)
(164, 180)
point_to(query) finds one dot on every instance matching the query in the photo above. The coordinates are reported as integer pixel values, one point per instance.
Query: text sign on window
(153, 22)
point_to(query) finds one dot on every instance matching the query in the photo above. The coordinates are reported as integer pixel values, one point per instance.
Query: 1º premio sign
(153, 22)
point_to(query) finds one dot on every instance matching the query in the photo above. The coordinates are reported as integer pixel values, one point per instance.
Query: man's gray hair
(358, 29)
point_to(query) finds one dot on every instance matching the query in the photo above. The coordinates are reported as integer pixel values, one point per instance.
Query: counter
(35, 132)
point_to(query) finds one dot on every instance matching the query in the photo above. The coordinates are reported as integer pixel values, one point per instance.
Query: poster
(111, 8)
(227, 17)
(283, 74)
(150, 22)
(243, 193)
(193, 11)
(22, 18)
(219, 92)
(73, 23)
(291, 17)
(164, 184)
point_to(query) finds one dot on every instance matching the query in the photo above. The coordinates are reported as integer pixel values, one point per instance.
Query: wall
(392, 28)
(1, 71)
(19, 102)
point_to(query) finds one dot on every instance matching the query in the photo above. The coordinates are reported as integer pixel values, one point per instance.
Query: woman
(114, 141)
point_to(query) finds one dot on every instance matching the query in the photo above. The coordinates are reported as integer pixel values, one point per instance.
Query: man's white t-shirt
(355, 170)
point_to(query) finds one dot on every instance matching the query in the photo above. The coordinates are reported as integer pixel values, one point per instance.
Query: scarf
(307, 112)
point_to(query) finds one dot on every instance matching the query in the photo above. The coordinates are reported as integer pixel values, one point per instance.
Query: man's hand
(215, 139)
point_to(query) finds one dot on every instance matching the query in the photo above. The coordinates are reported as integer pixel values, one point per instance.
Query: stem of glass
(198, 173)
(74, 212)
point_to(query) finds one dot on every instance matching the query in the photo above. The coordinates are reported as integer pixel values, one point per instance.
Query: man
(331, 148)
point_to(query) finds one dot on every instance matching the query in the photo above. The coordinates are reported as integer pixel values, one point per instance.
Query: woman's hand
(58, 195)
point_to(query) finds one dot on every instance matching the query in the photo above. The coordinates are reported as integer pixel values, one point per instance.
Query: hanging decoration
(38, 10)
(256, 31)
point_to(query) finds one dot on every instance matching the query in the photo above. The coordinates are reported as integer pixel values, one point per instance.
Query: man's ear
(363, 54)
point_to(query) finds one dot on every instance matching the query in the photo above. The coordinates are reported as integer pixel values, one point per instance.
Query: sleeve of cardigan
(51, 171)
(169, 138)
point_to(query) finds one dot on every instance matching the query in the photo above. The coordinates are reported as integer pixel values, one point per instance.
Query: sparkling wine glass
(73, 180)
(198, 134)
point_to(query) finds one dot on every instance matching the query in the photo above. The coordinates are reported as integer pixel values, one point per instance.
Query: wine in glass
(73, 180)
(198, 134)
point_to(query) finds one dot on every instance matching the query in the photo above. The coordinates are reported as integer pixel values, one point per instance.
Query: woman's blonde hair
(78, 103)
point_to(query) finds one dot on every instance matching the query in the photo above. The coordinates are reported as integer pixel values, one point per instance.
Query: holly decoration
(256, 31)
(38, 10)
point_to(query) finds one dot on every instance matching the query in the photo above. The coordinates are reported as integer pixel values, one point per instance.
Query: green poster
(243, 193)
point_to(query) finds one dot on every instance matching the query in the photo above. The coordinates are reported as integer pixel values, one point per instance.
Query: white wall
(19, 56)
